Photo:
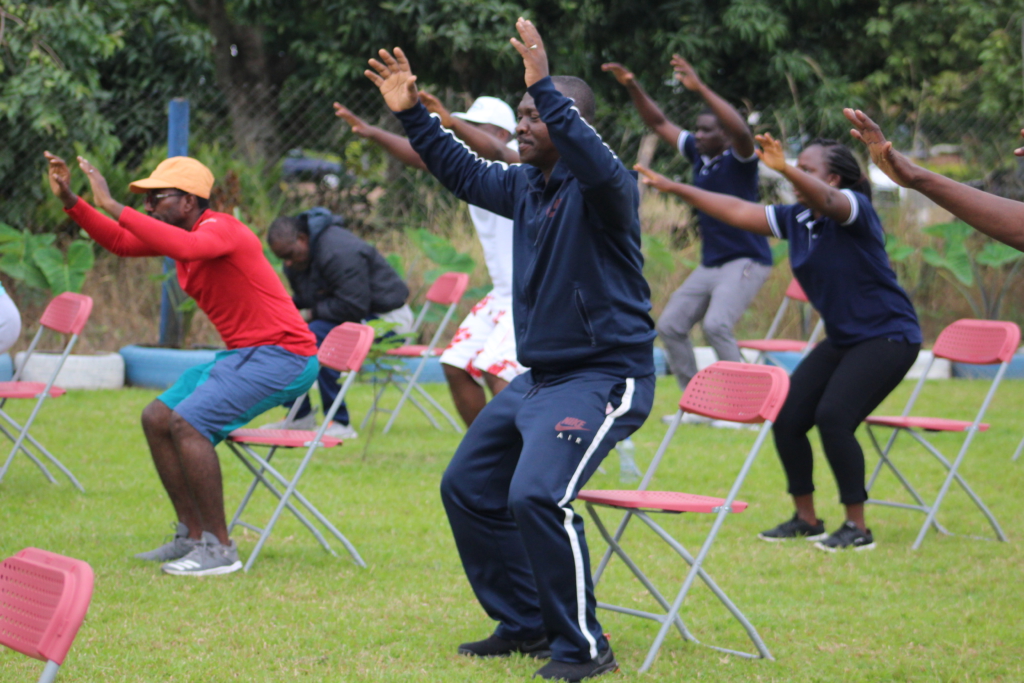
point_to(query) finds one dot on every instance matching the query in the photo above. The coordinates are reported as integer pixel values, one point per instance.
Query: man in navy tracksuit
(580, 305)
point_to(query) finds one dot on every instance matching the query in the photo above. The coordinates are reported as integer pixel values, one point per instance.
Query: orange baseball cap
(181, 173)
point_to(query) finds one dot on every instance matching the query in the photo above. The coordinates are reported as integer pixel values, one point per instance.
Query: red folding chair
(67, 315)
(979, 342)
(343, 350)
(738, 392)
(43, 600)
(794, 292)
(447, 290)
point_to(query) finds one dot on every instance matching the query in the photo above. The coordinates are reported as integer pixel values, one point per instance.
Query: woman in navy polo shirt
(837, 252)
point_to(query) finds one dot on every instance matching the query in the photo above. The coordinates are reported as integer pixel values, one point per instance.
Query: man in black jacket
(335, 278)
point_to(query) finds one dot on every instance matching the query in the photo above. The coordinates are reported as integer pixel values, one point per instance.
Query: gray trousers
(718, 296)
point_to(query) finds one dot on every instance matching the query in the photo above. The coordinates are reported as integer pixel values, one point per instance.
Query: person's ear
(833, 179)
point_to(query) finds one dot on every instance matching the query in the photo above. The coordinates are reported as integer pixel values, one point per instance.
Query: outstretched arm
(649, 110)
(486, 184)
(479, 140)
(395, 145)
(732, 122)
(104, 230)
(817, 195)
(737, 212)
(999, 218)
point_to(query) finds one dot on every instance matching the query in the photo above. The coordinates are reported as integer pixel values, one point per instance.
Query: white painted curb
(99, 371)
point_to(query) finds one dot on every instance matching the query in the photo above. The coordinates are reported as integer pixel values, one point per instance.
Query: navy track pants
(508, 491)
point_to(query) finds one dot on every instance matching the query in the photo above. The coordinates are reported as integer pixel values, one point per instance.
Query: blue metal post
(177, 146)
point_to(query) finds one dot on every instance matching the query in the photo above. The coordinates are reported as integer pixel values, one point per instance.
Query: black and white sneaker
(847, 537)
(604, 663)
(494, 646)
(795, 528)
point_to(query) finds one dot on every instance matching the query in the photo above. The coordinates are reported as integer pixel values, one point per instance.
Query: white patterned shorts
(486, 342)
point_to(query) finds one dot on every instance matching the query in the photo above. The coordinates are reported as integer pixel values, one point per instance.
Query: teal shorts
(219, 397)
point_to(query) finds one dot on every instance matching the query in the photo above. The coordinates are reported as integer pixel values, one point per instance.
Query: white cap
(490, 110)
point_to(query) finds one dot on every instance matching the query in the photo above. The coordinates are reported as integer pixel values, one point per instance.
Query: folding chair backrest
(795, 292)
(43, 601)
(981, 342)
(978, 342)
(346, 346)
(448, 289)
(738, 392)
(67, 313)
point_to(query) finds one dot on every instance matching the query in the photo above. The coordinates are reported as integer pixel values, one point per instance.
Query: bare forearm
(999, 218)
(652, 115)
(737, 212)
(732, 122)
(819, 196)
(484, 144)
(397, 146)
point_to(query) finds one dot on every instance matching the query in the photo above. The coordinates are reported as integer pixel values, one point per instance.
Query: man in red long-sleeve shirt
(271, 356)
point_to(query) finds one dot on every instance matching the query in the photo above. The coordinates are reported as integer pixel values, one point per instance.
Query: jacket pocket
(581, 308)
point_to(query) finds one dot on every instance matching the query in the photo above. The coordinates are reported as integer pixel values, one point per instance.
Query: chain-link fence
(283, 152)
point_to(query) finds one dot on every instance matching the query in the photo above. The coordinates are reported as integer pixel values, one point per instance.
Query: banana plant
(34, 260)
(968, 268)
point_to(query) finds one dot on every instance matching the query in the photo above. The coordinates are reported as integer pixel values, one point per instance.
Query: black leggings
(836, 388)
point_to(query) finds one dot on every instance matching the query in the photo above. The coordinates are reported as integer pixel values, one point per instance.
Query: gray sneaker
(209, 558)
(179, 546)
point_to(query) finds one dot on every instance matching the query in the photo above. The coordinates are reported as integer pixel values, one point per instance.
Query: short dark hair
(841, 161)
(202, 203)
(286, 229)
(578, 90)
(708, 111)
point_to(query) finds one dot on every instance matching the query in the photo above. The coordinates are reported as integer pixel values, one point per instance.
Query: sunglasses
(154, 199)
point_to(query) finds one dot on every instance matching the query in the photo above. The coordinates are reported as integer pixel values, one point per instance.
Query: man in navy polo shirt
(582, 324)
(734, 263)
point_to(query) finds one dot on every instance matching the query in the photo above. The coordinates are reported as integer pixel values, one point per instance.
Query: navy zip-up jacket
(579, 296)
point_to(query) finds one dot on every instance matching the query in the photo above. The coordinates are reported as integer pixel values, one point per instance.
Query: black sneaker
(499, 647)
(795, 528)
(574, 671)
(847, 537)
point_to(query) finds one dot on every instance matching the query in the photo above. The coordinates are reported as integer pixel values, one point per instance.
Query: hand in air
(623, 75)
(652, 179)
(434, 106)
(1020, 150)
(892, 163)
(771, 152)
(59, 176)
(395, 79)
(685, 73)
(531, 49)
(100, 192)
(359, 127)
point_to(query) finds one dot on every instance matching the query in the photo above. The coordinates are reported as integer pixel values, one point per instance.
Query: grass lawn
(948, 612)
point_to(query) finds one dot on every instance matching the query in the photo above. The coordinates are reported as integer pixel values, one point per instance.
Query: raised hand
(434, 106)
(59, 176)
(771, 152)
(623, 75)
(1020, 150)
(531, 49)
(359, 127)
(685, 73)
(100, 192)
(652, 179)
(395, 79)
(899, 168)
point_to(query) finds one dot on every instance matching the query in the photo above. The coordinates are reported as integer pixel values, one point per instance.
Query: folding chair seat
(738, 392)
(447, 290)
(66, 314)
(979, 342)
(344, 350)
(43, 600)
(794, 292)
